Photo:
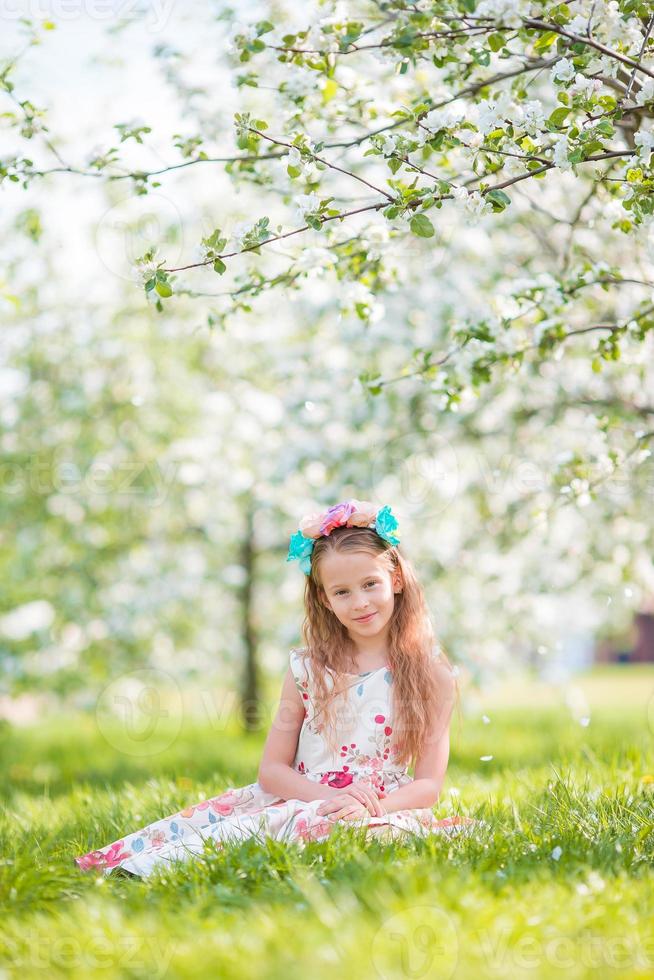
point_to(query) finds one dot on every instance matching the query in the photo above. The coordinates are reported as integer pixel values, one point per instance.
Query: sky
(90, 73)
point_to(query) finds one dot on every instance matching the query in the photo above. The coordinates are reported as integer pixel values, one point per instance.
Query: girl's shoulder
(446, 672)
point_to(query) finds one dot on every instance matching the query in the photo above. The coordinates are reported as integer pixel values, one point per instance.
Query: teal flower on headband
(301, 548)
(385, 524)
(350, 513)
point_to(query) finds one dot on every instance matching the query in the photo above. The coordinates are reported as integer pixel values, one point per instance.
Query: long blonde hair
(411, 643)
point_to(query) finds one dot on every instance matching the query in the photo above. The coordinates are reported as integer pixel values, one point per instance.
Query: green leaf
(559, 116)
(329, 91)
(264, 26)
(496, 41)
(163, 289)
(219, 266)
(421, 225)
(498, 199)
(545, 41)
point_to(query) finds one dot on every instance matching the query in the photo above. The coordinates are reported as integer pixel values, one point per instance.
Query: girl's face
(359, 590)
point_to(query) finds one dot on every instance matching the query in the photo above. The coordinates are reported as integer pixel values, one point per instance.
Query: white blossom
(475, 139)
(294, 157)
(645, 143)
(530, 116)
(373, 237)
(506, 11)
(443, 118)
(356, 294)
(561, 153)
(315, 259)
(646, 93)
(306, 204)
(477, 205)
(473, 203)
(563, 71)
(247, 32)
(578, 25)
(513, 167)
(241, 228)
(24, 620)
(339, 15)
(584, 84)
(489, 116)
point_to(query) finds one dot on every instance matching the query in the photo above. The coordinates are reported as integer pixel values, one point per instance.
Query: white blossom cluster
(373, 237)
(399, 142)
(565, 71)
(241, 35)
(306, 204)
(314, 260)
(306, 166)
(614, 30)
(489, 114)
(473, 204)
(299, 83)
(508, 12)
(356, 293)
(443, 118)
(530, 117)
(239, 233)
(560, 152)
(644, 140)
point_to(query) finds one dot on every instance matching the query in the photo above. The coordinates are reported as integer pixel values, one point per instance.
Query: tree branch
(542, 25)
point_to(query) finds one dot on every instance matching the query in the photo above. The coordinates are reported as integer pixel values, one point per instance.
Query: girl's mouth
(365, 619)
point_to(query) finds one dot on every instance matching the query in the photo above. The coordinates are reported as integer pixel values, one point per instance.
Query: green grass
(496, 904)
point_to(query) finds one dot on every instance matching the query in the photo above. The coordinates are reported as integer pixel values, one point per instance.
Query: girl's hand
(368, 795)
(350, 806)
(343, 806)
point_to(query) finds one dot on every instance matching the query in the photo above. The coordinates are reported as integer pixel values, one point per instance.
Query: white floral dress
(365, 726)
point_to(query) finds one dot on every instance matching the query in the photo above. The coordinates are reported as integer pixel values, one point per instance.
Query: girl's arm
(431, 763)
(276, 773)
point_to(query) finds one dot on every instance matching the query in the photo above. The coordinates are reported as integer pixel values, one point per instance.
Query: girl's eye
(342, 591)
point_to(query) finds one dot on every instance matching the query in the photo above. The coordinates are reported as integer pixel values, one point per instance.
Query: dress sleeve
(299, 667)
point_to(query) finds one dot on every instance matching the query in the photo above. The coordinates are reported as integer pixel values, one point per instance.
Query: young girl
(369, 692)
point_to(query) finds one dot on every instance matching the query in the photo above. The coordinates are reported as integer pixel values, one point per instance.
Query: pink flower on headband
(336, 516)
(363, 515)
(350, 513)
(311, 524)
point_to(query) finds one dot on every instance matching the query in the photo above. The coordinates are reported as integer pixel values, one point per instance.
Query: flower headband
(351, 513)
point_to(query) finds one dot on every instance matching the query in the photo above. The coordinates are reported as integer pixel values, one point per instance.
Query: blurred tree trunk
(250, 707)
